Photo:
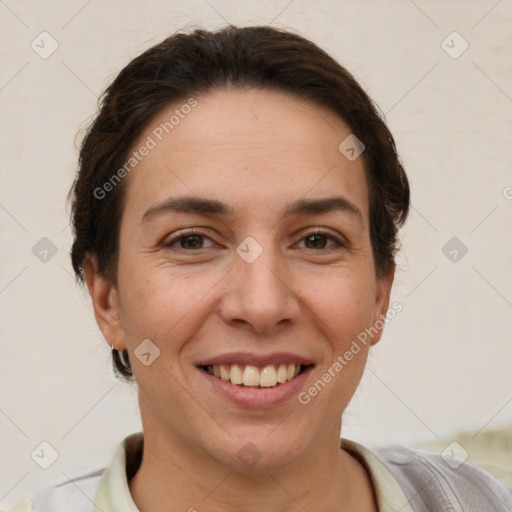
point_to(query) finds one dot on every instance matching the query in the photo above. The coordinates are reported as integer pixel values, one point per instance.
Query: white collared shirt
(405, 479)
(113, 492)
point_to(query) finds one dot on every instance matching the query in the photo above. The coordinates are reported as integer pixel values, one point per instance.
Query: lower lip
(259, 397)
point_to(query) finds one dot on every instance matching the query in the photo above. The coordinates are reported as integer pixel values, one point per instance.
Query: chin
(260, 451)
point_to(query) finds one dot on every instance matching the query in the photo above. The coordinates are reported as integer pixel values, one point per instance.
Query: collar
(390, 495)
(113, 491)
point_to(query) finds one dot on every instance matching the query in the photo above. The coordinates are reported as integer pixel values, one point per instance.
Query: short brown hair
(191, 64)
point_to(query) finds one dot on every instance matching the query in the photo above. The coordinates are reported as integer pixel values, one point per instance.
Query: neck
(173, 477)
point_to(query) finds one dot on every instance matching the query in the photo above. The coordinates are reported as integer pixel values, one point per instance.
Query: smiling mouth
(251, 376)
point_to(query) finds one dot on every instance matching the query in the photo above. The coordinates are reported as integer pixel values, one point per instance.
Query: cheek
(343, 308)
(162, 305)
(344, 316)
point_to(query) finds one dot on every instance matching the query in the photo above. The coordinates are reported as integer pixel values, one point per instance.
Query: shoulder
(442, 481)
(76, 495)
(81, 494)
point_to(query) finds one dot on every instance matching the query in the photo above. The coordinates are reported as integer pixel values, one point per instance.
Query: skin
(257, 151)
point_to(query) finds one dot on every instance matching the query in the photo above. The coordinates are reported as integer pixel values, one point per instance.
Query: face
(253, 267)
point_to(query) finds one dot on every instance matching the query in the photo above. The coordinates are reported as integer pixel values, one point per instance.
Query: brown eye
(319, 240)
(189, 241)
(316, 241)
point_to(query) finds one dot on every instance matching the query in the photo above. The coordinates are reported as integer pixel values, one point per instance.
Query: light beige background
(444, 363)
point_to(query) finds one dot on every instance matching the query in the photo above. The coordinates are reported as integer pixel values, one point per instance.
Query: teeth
(268, 377)
(251, 376)
(224, 374)
(282, 373)
(236, 374)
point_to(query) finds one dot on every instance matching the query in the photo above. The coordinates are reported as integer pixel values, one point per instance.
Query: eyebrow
(204, 206)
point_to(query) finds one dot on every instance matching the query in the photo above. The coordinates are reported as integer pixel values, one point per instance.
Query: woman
(235, 220)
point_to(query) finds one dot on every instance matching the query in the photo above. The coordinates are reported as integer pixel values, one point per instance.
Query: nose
(259, 294)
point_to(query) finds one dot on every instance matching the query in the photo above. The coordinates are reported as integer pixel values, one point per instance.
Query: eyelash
(338, 243)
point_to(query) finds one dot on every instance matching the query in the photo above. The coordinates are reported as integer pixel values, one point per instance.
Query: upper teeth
(252, 376)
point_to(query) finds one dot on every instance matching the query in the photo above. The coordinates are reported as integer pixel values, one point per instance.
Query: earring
(121, 362)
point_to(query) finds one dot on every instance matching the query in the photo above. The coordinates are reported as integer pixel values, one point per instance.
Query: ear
(105, 301)
(383, 292)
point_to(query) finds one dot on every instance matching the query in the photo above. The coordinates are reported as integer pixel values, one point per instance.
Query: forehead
(245, 147)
